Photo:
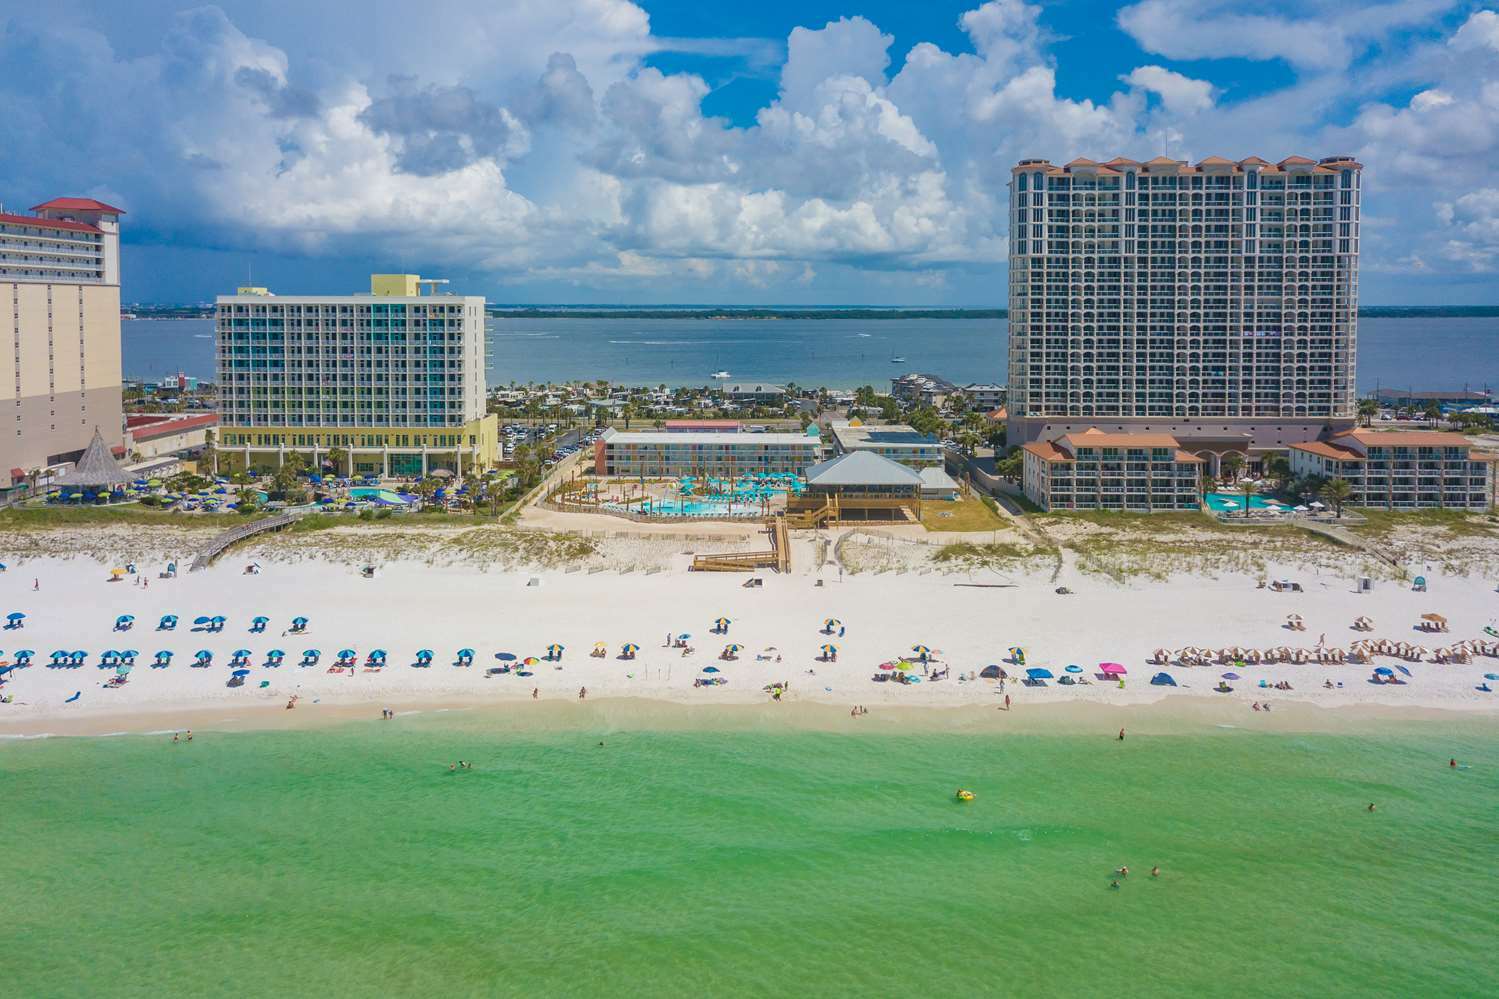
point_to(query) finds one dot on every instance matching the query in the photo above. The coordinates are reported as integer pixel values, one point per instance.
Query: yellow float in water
(964, 795)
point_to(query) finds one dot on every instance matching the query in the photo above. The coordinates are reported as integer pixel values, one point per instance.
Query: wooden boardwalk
(778, 557)
(235, 535)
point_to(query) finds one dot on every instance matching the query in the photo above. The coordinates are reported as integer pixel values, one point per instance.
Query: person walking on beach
(582, 693)
(1121, 735)
(1007, 702)
(36, 584)
(535, 693)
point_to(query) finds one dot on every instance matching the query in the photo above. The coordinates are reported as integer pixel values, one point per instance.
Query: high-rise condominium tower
(393, 380)
(60, 330)
(1216, 302)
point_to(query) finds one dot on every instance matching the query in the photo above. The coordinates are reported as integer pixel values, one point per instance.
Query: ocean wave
(665, 343)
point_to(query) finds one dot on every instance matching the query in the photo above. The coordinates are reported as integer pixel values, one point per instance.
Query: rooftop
(681, 437)
(862, 468)
(47, 223)
(1211, 164)
(853, 435)
(76, 205)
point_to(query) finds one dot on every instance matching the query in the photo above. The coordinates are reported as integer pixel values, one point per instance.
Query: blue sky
(667, 151)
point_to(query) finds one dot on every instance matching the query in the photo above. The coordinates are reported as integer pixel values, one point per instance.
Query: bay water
(1437, 353)
(595, 859)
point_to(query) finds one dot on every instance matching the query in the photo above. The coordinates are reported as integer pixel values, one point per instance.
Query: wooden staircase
(823, 515)
(777, 557)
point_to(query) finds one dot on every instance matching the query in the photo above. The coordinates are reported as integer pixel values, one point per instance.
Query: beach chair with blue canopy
(216, 623)
(76, 658)
(109, 659)
(163, 659)
(23, 658)
(298, 625)
(423, 658)
(240, 657)
(1038, 675)
(258, 623)
(346, 656)
(124, 622)
(127, 656)
(376, 657)
(274, 658)
(203, 658)
(168, 622)
(60, 656)
(465, 657)
(15, 621)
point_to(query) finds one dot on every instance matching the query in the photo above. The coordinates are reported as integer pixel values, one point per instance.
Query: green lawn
(970, 514)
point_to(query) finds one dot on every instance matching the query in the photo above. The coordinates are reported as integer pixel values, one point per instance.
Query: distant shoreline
(731, 314)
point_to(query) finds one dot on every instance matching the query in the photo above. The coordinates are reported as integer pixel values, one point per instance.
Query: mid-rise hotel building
(1215, 302)
(60, 329)
(394, 379)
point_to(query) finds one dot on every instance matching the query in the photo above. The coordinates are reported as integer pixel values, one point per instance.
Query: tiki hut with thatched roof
(96, 470)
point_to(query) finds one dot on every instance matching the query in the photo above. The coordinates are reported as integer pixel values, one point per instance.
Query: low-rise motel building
(722, 451)
(1093, 470)
(894, 441)
(393, 379)
(1402, 470)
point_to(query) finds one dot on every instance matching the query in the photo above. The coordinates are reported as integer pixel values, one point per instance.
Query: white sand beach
(971, 621)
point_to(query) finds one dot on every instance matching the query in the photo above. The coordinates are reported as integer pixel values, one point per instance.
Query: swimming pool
(1219, 502)
(389, 496)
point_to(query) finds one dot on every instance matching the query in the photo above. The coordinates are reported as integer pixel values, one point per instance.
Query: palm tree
(1433, 412)
(628, 412)
(210, 452)
(1367, 410)
(1336, 492)
(1230, 465)
(1249, 489)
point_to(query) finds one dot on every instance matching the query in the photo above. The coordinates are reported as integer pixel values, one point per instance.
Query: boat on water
(721, 374)
(897, 360)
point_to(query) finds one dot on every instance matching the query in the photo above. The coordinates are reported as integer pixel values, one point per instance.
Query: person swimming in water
(1123, 872)
(1371, 806)
(1113, 884)
(1155, 872)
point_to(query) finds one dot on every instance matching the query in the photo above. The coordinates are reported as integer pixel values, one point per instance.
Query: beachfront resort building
(893, 440)
(60, 323)
(719, 451)
(1214, 302)
(393, 379)
(1402, 470)
(1095, 470)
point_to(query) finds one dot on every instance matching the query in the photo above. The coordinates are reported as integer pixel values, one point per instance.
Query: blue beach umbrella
(203, 656)
(240, 672)
(346, 653)
(202, 620)
(465, 653)
(424, 653)
(1403, 670)
(15, 616)
(1074, 669)
(377, 654)
(710, 669)
(241, 653)
(299, 620)
(1231, 676)
(505, 657)
(25, 653)
(1038, 673)
(1384, 671)
(311, 653)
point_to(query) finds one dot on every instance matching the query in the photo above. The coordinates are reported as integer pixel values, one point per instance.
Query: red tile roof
(1046, 451)
(77, 205)
(149, 426)
(1327, 450)
(47, 223)
(1404, 438)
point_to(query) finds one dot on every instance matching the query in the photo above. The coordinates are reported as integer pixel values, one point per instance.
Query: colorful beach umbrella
(723, 622)
(530, 661)
(630, 648)
(831, 623)
(555, 649)
(921, 650)
(731, 647)
(828, 650)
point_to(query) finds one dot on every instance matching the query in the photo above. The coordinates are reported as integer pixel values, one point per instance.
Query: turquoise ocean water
(350, 861)
(1424, 354)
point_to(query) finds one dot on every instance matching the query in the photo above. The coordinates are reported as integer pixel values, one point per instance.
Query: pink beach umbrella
(1112, 669)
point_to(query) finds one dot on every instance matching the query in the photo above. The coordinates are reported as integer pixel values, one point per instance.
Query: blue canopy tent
(1163, 680)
